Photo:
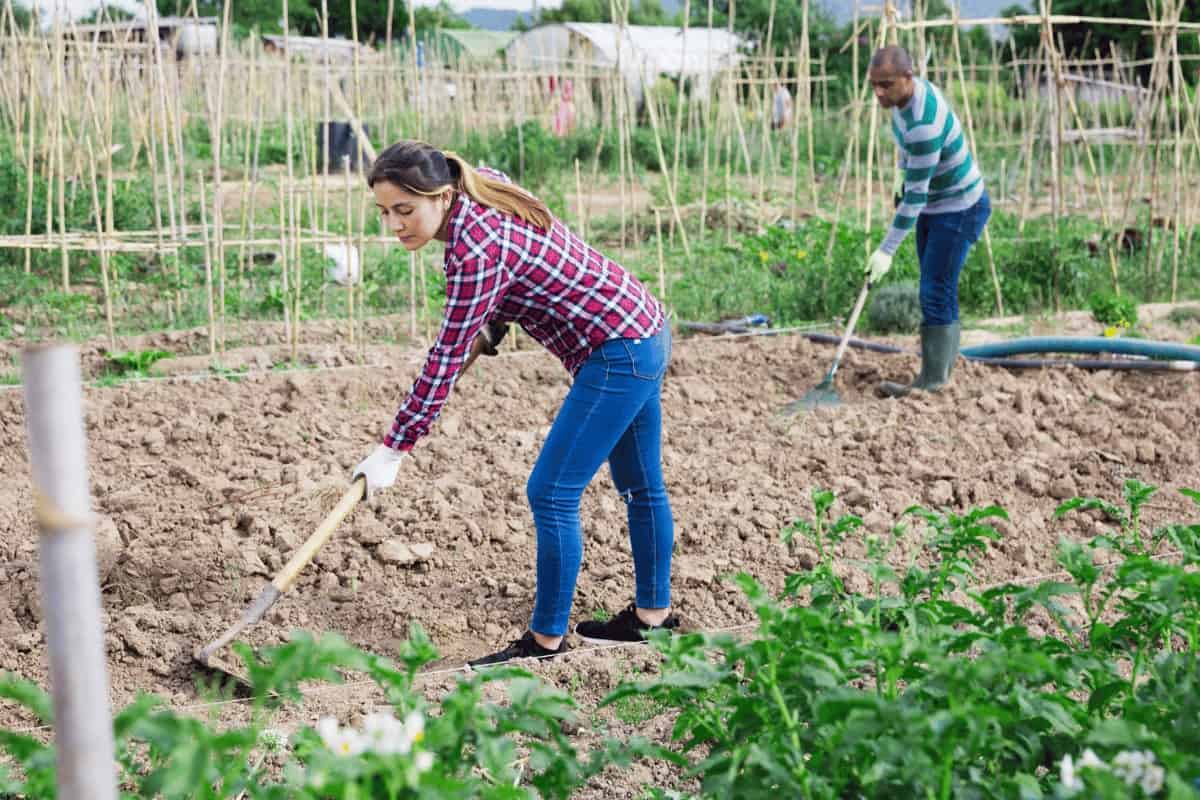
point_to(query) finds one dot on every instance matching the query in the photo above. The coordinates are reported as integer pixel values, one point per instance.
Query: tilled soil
(206, 487)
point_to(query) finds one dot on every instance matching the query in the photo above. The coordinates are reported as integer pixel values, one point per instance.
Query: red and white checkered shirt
(563, 293)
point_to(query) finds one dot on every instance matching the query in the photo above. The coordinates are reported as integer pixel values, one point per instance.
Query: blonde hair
(422, 169)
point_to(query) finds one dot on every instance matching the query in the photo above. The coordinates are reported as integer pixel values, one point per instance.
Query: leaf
(1117, 734)
(822, 500)
(1102, 696)
(1192, 493)
(1088, 504)
(1027, 786)
(27, 694)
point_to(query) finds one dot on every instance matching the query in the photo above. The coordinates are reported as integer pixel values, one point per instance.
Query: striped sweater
(939, 174)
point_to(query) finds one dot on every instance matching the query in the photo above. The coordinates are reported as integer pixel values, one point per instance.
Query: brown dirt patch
(211, 484)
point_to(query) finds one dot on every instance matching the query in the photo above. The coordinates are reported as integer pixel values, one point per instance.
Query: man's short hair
(893, 56)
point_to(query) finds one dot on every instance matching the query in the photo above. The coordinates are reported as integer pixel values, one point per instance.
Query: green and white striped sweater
(939, 174)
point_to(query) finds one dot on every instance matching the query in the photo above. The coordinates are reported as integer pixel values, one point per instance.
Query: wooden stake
(108, 310)
(987, 238)
(662, 270)
(579, 203)
(70, 586)
(208, 266)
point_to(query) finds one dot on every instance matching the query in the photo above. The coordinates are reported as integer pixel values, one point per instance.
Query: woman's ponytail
(422, 169)
(497, 194)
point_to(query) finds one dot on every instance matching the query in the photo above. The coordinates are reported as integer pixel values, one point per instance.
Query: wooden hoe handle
(286, 576)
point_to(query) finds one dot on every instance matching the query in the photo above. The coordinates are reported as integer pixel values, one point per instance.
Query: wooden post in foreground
(70, 586)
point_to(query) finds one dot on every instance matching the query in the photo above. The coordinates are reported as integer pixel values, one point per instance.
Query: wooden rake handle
(287, 575)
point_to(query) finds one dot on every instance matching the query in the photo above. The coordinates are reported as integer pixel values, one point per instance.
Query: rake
(823, 394)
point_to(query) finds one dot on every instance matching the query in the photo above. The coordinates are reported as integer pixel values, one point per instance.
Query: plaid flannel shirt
(564, 294)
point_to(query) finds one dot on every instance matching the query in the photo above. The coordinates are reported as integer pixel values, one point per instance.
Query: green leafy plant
(134, 364)
(895, 308)
(929, 684)
(1113, 310)
(464, 746)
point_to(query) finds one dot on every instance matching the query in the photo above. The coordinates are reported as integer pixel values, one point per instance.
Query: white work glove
(379, 468)
(878, 265)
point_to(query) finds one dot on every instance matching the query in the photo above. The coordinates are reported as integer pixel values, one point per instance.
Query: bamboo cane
(108, 310)
(987, 238)
(208, 267)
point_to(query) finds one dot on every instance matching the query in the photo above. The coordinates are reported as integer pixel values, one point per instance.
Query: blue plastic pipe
(1165, 355)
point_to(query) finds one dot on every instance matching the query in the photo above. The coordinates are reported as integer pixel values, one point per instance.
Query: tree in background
(751, 18)
(105, 13)
(22, 15)
(427, 18)
(641, 12)
(304, 16)
(1083, 40)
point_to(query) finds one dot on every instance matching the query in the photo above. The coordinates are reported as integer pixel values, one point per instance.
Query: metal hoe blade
(824, 395)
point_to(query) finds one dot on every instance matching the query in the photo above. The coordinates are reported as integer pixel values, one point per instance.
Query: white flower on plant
(414, 726)
(341, 741)
(1071, 784)
(423, 760)
(1152, 779)
(1089, 760)
(1129, 765)
(386, 735)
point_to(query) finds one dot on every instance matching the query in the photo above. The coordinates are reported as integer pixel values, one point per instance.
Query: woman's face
(414, 218)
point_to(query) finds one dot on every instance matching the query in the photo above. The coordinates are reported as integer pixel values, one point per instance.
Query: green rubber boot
(939, 351)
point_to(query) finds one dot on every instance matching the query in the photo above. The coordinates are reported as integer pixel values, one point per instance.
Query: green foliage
(641, 12)
(1081, 39)
(1112, 309)
(895, 308)
(105, 13)
(929, 684)
(136, 363)
(752, 18)
(23, 15)
(463, 746)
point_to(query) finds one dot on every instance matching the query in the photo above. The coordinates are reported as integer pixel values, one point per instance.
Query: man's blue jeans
(613, 412)
(943, 241)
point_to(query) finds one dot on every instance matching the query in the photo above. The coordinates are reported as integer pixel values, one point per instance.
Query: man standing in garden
(944, 199)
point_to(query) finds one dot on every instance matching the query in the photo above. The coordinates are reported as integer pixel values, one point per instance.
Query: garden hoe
(824, 394)
(279, 585)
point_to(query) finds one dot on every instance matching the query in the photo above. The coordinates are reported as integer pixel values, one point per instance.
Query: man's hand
(878, 265)
(379, 468)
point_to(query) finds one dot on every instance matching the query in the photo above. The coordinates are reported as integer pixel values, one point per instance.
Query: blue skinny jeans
(612, 412)
(943, 241)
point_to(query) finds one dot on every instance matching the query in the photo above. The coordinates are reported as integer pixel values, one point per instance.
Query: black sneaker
(525, 647)
(624, 627)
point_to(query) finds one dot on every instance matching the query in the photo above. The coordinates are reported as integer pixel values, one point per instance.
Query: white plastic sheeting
(644, 51)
